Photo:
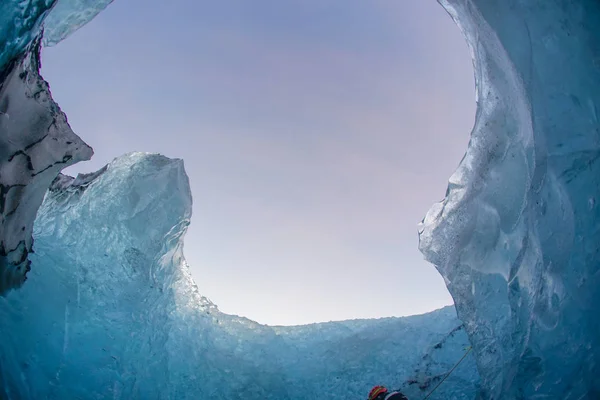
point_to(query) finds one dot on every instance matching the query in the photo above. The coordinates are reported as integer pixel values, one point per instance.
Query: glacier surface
(517, 237)
(111, 311)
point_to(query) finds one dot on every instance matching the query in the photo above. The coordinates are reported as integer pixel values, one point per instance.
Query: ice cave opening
(110, 310)
(301, 192)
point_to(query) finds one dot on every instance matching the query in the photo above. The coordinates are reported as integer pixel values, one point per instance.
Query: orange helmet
(376, 391)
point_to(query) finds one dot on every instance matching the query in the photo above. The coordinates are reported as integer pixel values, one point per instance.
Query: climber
(381, 393)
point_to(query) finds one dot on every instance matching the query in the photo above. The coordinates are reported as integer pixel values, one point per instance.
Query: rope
(448, 374)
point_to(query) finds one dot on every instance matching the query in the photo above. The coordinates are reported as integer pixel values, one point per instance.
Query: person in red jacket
(381, 393)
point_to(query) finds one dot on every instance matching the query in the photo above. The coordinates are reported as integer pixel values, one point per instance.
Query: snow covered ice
(35, 144)
(111, 311)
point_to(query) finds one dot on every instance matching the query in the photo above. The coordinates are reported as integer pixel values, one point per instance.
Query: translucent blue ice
(111, 311)
(22, 20)
(517, 237)
(69, 15)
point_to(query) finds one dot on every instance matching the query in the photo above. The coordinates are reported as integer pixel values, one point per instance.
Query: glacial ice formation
(517, 237)
(36, 142)
(21, 22)
(110, 306)
(110, 311)
(69, 15)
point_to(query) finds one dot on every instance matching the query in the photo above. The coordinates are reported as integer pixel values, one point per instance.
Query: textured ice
(517, 237)
(69, 15)
(110, 311)
(20, 21)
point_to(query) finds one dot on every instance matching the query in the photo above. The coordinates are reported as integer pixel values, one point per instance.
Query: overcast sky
(316, 135)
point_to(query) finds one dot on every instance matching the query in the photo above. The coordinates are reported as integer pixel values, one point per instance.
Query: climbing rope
(448, 374)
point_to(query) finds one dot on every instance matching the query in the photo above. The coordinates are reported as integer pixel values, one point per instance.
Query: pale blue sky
(316, 135)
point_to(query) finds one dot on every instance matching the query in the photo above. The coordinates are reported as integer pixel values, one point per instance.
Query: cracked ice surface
(517, 237)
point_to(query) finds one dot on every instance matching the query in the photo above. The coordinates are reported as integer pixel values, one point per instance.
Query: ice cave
(97, 300)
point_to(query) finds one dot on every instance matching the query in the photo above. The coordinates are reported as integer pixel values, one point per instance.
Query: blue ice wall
(20, 22)
(111, 311)
(517, 237)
